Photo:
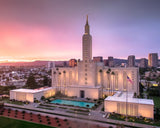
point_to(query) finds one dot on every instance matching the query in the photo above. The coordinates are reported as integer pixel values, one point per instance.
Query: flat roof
(122, 97)
(32, 90)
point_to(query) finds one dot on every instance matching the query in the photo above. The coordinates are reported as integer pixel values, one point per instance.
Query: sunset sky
(53, 29)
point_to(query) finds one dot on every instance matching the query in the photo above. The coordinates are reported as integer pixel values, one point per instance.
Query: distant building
(51, 64)
(153, 60)
(17, 83)
(72, 62)
(110, 61)
(105, 61)
(123, 65)
(143, 63)
(62, 63)
(98, 59)
(131, 61)
(65, 64)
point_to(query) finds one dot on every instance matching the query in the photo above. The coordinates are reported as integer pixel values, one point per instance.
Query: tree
(108, 76)
(159, 89)
(46, 81)
(31, 82)
(64, 80)
(6, 89)
(64, 72)
(113, 74)
(100, 71)
(59, 80)
(142, 71)
(42, 98)
(141, 89)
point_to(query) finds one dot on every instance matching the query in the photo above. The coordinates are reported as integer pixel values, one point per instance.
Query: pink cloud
(19, 41)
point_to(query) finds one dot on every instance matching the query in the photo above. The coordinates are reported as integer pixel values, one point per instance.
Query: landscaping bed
(140, 119)
(41, 120)
(156, 101)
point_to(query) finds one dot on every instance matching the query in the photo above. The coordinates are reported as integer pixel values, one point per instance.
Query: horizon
(29, 61)
(33, 30)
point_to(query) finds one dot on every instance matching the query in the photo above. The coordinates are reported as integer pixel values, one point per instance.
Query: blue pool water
(75, 103)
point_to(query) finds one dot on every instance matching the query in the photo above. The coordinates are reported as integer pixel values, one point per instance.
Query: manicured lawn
(13, 123)
(156, 102)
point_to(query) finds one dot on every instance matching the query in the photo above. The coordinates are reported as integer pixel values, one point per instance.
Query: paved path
(99, 107)
(95, 117)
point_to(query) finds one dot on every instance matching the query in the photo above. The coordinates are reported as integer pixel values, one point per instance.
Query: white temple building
(92, 79)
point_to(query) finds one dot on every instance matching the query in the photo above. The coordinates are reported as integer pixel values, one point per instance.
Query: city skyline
(41, 30)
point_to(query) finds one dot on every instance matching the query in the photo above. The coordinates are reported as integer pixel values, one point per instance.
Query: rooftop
(32, 90)
(123, 97)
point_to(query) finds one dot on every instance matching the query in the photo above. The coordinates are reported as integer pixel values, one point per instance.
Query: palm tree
(113, 74)
(108, 76)
(64, 74)
(100, 71)
(54, 79)
(59, 80)
(58, 76)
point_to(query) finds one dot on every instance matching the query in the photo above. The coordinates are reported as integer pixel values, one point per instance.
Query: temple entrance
(82, 94)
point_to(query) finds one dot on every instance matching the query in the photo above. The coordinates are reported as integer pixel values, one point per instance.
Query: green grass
(134, 119)
(14, 123)
(13, 102)
(86, 114)
(156, 102)
(45, 108)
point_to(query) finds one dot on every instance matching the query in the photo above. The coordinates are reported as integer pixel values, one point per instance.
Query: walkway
(94, 117)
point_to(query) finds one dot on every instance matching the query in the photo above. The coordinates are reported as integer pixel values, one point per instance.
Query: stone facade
(135, 107)
(109, 79)
(31, 94)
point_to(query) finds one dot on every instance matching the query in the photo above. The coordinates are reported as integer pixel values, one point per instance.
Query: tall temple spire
(87, 43)
(87, 26)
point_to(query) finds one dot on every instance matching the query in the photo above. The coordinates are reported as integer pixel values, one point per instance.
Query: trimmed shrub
(67, 123)
(56, 118)
(65, 120)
